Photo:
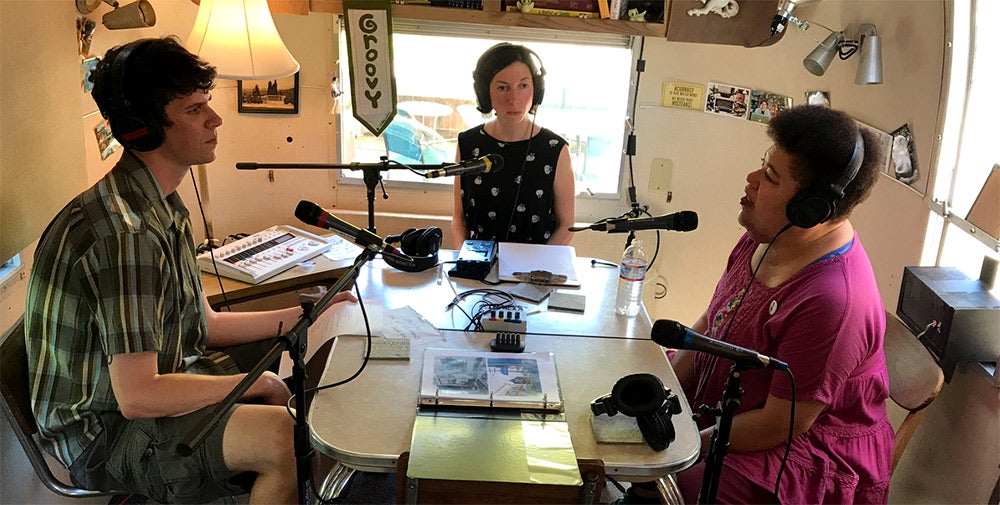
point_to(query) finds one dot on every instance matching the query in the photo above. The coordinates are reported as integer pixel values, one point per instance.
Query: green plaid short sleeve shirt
(115, 272)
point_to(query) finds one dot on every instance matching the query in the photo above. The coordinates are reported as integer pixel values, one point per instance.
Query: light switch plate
(660, 175)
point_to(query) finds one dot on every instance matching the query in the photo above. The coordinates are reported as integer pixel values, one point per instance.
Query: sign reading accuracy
(369, 53)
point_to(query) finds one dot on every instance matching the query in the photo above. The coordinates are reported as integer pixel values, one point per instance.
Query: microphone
(481, 165)
(314, 215)
(677, 336)
(685, 220)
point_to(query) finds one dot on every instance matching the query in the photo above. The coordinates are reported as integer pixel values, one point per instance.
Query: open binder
(463, 378)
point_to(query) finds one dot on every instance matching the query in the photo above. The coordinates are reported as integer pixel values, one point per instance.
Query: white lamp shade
(238, 37)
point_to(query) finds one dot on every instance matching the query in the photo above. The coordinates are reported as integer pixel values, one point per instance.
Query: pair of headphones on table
(813, 206)
(643, 397)
(484, 73)
(421, 244)
(134, 130)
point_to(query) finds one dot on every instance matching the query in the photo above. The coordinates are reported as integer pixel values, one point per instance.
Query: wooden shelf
(491, 15)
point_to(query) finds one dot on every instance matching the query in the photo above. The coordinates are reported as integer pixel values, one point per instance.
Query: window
(435, 100)
(967, 161)
(8, 271)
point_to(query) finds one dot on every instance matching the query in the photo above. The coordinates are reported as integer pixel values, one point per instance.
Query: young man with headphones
(532, 200)
(122, 344)
(798, 286)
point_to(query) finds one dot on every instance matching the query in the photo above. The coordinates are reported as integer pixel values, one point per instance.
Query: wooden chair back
(915, 379)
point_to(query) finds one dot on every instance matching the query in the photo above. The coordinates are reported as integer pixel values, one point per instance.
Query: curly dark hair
(820, 142)
(153, 72)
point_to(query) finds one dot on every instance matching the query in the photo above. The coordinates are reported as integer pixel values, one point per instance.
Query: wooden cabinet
(493, 15)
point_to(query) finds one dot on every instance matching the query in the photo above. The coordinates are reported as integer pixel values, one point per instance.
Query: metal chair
(915, 379)
(459, 491)
(14, 386)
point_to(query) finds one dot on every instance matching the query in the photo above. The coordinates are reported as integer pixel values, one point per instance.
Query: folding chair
(14, 386)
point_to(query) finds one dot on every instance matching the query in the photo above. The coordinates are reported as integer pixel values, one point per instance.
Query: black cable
(483, 306)
(208, 237)
(732, 316)
(368, 351)
(517, 194)
(713, 360)
(640, 66)
(791, 433)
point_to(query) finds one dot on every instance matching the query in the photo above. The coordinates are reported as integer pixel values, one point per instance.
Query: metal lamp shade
(819, 59)
(870, 66)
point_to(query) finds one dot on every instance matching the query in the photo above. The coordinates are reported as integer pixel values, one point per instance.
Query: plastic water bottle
(631, 276)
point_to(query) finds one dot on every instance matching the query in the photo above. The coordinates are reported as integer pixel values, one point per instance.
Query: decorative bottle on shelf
(631, 277)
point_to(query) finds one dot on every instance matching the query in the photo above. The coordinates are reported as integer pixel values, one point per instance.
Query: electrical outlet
(660, 175)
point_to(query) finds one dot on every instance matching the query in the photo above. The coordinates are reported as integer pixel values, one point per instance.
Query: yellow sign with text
(682, 95)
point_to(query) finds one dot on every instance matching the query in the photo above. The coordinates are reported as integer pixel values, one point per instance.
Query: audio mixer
(264, 254)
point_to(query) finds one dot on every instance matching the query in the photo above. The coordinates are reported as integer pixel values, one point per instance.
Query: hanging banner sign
(369, 56)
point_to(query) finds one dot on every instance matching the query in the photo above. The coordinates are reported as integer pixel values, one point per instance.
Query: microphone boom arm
(296, 342)
(372, 175)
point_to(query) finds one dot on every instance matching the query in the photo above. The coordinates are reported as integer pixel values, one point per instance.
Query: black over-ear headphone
(136, 131)
(643, 397)
(813, 206)
(421, 244)
(482, 75)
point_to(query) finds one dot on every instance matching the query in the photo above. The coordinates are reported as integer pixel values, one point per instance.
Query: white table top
(367, 423)
(421, 291)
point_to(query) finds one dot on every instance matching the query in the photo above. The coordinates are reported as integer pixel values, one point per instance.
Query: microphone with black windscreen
(312, 214)
(491, 163)
(677, 336)
(685, 220)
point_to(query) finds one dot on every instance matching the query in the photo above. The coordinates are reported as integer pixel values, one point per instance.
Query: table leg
(669, 492)
(335, 482)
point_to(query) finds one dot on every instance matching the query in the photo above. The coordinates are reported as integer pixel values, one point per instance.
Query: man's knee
(260, 438)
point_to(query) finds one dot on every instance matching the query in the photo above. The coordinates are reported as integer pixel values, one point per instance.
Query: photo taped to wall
(727, 100)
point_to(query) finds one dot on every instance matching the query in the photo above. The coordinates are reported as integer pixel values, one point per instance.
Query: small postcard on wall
(885, 147)
(727, 100)
(764, 105)
(106, 142)
(904, 158)
(682, 95)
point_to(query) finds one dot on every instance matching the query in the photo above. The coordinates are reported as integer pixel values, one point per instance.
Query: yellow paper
(493, 450)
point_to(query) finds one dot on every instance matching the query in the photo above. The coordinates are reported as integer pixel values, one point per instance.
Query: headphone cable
(520, 183)
(208, 238)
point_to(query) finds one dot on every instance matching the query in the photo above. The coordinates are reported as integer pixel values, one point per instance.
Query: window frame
(951, 237)
(489, 32)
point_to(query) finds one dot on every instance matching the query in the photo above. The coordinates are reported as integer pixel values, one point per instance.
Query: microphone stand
(372, 175)
(296, 341)
(719, 443)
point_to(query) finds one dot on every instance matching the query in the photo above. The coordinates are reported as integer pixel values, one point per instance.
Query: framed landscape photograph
(271, 96)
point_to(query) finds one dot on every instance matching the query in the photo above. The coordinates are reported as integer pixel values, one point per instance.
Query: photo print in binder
(464, 378)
